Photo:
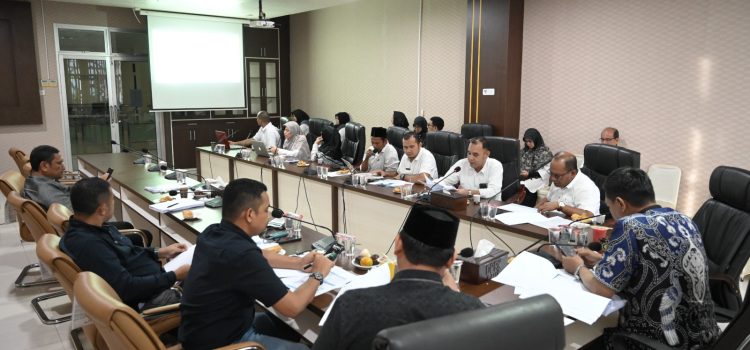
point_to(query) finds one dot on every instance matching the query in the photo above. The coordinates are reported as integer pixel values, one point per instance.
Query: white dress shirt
(386, 159)
(269, 135)
(491, 175)
(581, 193)
(424, 162)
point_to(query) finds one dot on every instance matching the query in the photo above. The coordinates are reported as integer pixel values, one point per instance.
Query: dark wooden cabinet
(263, 92)
(184, 142)
(261, 43)
(189, 134)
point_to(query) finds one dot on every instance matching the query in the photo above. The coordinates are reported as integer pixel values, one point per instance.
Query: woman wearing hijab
(299, 116)
(340, 124)
(420, 128)
(399, 119)
(328, 147)
(534, 154)
(295, 144)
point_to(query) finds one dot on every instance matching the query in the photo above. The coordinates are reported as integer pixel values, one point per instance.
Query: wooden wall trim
(493, 61)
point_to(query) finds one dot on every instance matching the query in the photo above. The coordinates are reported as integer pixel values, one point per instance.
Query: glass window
(81, 40)
(129, 43)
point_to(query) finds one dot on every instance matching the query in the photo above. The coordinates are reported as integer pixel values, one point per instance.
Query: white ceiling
(225, 8)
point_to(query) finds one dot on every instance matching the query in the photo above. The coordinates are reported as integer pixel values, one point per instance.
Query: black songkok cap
(378, 132)
(433, 226)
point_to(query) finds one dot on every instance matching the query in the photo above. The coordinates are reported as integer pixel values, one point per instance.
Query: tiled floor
(20, 328)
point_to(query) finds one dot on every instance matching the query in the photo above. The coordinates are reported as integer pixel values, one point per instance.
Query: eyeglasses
(607, 139)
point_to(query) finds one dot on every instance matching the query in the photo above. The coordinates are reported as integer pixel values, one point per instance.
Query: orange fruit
(366, 261)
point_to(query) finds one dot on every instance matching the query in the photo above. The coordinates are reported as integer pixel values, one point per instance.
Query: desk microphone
(425, 193)
(324, 244)
(466, 252)
(126, 149)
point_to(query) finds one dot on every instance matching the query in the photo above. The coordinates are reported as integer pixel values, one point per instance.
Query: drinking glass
(406, 190)
(484, 210)
(492, 211)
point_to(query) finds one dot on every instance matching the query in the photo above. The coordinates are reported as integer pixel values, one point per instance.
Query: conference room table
(373, 214)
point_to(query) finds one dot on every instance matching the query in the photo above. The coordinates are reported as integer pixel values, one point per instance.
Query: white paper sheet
(183, 258)
(336, 279)
(176, 205)
(533, 185)
(513, 207)
(552, 222)
(390, 183)
(567, 322)
(520, 217)
(377, 276)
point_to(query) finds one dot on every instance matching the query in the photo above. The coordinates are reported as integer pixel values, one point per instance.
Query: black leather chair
(316, 128)
(473, 130)
(447, 147)
(508, 152)
(396, 138)
(533, 323)
(599, 160)
(353, 147)
(724, 223)
(735, 336)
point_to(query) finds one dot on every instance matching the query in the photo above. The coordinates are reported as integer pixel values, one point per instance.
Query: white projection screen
(196, 62)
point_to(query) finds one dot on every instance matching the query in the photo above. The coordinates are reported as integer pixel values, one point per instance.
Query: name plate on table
(479, 270)
(450, 201)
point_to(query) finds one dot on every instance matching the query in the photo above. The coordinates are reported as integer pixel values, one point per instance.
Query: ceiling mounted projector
(261, 22)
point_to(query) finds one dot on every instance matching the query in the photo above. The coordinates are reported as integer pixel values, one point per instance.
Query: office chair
(58, 216)
(21, 160)
(119, 325)
(353, 145)
(508, 152)
(447, 147)
(599, 160)
(724, 223)
(666, 181)
(395, 135)
(316, 128)
(473, 130)
(513, 325)
(20, 204)
(13, 181)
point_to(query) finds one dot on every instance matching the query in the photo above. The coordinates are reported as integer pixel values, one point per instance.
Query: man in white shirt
(416, 164)
(479, 173)
(571, 192)
(268, 134)
(382, 155)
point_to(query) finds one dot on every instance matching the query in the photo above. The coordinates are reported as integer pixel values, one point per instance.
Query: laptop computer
(260, 148)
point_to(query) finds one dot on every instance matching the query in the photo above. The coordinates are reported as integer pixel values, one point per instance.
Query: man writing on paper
(268, 134)
(572, 192)
(421, 289)
(479, 173)
(656, 261)
(382, 155)
(134, 272)
(416, 164)
(230, 272)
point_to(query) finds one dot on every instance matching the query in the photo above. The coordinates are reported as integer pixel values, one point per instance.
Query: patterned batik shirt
(656, 261)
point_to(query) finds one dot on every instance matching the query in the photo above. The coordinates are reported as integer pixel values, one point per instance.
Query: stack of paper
(533, 275)
(390, 183)
(336, 279)
(377, 276)
(176, 205)
(519, 214)
(183, 258)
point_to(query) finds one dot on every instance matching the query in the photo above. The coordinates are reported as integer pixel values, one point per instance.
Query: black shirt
(412, 296)
(135, 273)
(228, 274)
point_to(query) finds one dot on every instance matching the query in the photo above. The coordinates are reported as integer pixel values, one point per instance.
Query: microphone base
(324, 244)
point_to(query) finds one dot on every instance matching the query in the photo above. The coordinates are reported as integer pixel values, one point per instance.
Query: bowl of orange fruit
(366, 261)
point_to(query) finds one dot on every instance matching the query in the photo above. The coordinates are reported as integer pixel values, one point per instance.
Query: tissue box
(479, 270)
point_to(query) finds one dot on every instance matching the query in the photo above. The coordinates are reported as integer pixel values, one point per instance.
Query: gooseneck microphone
(455, 170)
(322, 244)
(126, 149)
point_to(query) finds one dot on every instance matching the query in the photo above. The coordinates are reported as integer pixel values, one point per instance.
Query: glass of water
(484, 210)
(492, 212)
